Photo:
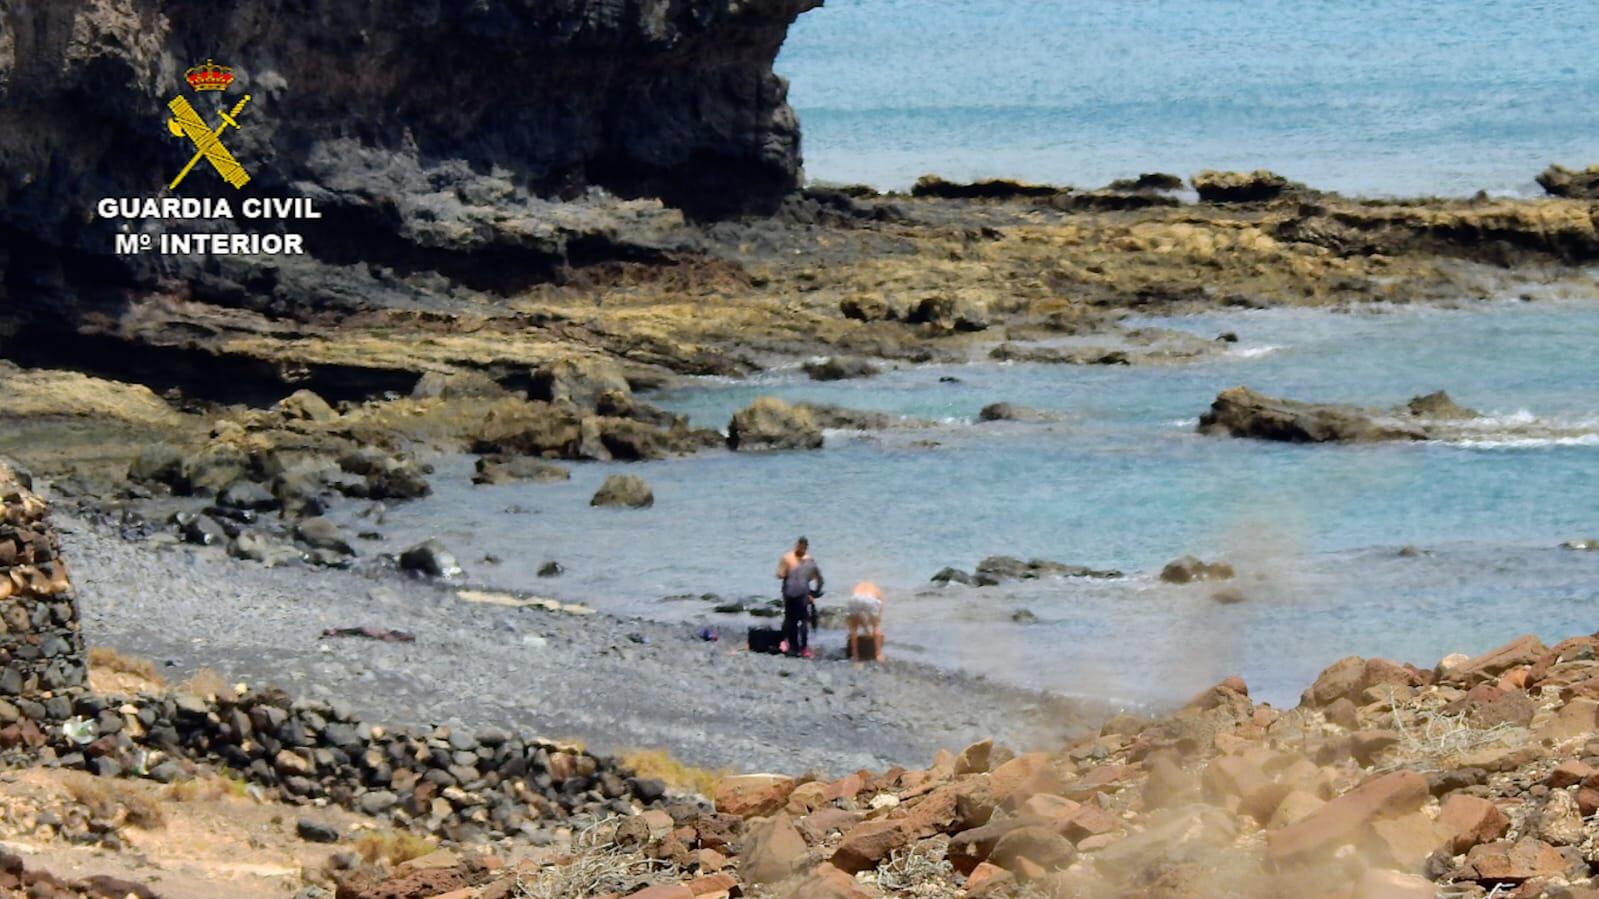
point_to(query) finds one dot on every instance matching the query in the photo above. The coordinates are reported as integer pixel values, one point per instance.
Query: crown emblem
(209, 77)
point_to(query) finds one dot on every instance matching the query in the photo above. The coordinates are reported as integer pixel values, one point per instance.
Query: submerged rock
(834, 368)
(624, 490)
(509, 469)
(1189, 569)
(1012, 412)
(998, 569)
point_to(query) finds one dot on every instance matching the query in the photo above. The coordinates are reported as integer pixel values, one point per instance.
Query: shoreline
(536, 671)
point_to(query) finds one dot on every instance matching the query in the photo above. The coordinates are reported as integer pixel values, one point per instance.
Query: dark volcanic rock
(1560, 181)
(430, 558)
(1241, 187)
(1147, 182)
(434, 139)
(998, 569)
(1241, 412)
(995, 189)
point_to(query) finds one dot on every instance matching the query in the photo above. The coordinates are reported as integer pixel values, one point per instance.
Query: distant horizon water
(1403, 98)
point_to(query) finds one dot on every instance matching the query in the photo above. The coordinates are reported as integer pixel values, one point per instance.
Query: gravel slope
(540, 672)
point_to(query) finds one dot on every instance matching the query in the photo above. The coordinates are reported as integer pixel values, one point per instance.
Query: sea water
(1400, 97)
(1121, 481)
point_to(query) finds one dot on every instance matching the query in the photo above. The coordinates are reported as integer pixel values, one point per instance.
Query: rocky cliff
(431, 135)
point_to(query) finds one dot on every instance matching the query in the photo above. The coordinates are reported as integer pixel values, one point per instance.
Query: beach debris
(382, 635)
(493, 598)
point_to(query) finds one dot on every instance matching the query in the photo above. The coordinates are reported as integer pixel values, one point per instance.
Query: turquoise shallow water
(1402, 97)
(1123, 482)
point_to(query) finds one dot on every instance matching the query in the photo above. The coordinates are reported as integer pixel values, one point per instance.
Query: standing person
(802, 580)
(864, 614)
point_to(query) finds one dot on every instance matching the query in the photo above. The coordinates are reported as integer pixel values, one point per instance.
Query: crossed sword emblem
(185, 122)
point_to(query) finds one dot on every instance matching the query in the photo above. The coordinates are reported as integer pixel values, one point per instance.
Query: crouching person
(864, 615)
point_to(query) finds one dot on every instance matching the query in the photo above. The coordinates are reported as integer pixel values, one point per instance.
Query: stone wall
(42, 664)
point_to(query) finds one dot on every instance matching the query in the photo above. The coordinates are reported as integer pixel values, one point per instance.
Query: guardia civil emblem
(207, 141)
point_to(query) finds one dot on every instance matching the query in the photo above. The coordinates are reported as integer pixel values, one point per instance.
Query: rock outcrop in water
(1581, 184)
(1241, 412)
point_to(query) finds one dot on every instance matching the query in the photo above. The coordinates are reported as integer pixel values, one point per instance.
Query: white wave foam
(1508, 442)
(1518, 419)
(1183, 423)
(1253, 352)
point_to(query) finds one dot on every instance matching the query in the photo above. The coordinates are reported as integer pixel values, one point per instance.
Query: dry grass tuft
(207, 684)
(107, 659)
(113, 800)
(392, 846)
(1435, 741)
(663, 766)
(144, 810)
(913, 873)
(206, 789)
(195, 789)
(595, 869)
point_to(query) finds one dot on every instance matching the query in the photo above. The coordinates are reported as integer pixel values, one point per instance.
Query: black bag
(766, 640)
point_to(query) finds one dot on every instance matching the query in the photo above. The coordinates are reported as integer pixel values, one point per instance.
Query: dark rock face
(431, 136)
(669, 98)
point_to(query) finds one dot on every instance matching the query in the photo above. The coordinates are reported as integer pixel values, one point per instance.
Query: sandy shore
(530, 669)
